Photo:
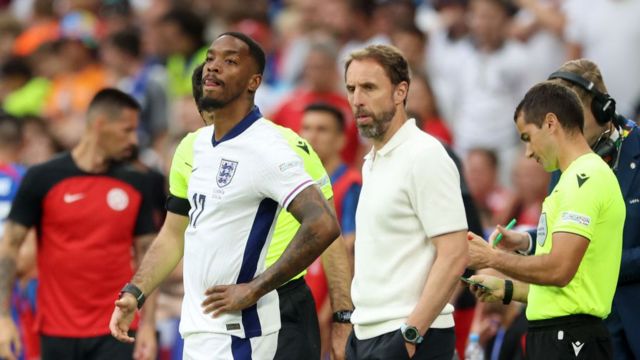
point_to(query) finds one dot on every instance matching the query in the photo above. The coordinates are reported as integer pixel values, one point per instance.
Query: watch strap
(342, 316)
(135, 291)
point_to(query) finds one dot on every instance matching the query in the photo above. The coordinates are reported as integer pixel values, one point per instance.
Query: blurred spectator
(538, 26)
(116, 15)
(362, 30)
(43, 27)
(182, 43)
(320, 83)
(38, 144)
(530, 187)
(323, 126)
(608, 33)
(145, 82)
(390, 15)
(22, 94)
(412, 42)
(446, 38)
(481, 169)
(422, 103)
(10, 29)
(73, 89)
(490, 79)
(23, 299)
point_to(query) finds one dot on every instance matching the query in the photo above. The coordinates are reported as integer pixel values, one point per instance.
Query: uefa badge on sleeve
(225, 172)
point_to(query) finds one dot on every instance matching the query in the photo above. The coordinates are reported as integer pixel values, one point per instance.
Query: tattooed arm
(318, 229)
(14, 236)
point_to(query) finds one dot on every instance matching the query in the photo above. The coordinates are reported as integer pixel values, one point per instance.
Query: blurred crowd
(471, 60)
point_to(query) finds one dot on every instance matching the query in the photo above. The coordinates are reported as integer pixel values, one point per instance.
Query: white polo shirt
(410, 193)
(237, 187)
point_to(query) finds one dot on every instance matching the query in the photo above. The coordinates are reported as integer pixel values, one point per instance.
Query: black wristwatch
(411, 334)
(343, 316)
(135, 291)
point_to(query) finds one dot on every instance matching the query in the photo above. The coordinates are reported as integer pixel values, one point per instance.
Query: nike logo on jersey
(303, 145)
(582, 178)
(71, 198)
(577, 346)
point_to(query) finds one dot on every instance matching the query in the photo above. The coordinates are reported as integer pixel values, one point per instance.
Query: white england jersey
(236, 190)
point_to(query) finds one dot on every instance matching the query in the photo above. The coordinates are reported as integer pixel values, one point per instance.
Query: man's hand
(146, 345)
(227, 298)
(495, 285)
(339, 335)
(122, 317)
(480, 252)
(9, 338)
(411, 349)
(511, 240)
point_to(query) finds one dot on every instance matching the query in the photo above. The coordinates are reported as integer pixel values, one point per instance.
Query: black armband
(508, 292)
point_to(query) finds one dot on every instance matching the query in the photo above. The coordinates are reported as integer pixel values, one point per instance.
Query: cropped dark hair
(334, 111)
(549, 97)
(255, 50)
(111, 101)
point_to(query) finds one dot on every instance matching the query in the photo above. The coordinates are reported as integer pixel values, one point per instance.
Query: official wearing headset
(617, 141)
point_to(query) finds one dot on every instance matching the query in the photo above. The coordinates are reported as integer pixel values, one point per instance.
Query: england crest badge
(225, 172)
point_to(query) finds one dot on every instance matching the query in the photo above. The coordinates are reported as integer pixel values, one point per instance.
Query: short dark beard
(379, 127)
(209, 104)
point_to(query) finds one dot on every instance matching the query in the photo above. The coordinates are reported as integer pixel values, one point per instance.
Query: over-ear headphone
(603, 106)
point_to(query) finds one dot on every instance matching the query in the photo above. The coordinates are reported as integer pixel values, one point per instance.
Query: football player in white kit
(243, 172)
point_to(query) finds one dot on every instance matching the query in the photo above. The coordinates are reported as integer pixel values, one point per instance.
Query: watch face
(411, 334)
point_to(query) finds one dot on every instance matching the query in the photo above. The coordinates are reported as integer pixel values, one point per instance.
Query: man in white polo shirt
(411, 228)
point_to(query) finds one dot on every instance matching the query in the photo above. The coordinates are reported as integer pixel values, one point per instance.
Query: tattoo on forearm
(313, 212)
(7, 275)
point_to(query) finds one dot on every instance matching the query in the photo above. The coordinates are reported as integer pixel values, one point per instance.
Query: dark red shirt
(86, 224)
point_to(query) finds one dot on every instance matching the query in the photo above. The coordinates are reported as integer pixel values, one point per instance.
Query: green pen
(509, 226)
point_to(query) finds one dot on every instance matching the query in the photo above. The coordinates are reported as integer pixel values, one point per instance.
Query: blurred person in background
(93, 218)
(320, 83)
(539, 26)
(421, 103)
(362, 30)
(481, 170)
(530, 187)
(38, 144)
(446, 36)
(23, 298)
(123, 58)
(10, 29)
(323, 126)
(42, 27)
(412, 42)
(22, 93)
(181, 42)
(588, 33)
(489, 79)
(83, 76)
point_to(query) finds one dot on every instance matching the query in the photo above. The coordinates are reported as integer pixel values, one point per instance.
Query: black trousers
(438, 344)
(104, 347)
(299, 336)
(569, 337)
